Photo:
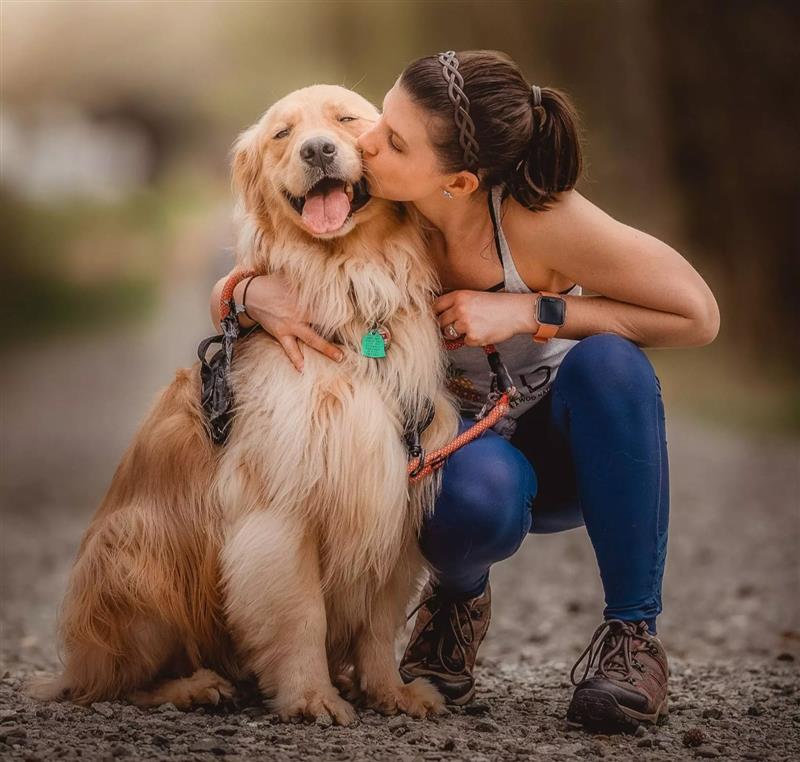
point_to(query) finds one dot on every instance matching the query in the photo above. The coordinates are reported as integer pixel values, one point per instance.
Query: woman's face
(397, 153)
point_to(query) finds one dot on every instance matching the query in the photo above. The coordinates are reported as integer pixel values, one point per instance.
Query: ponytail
(553, 160)
(493, 123)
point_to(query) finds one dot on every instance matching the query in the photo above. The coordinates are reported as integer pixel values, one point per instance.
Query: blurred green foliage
(52, 281)
(688, 135)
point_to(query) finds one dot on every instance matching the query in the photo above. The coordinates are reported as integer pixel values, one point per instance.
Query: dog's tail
(63, 686)
(48, 687)
(144, 589)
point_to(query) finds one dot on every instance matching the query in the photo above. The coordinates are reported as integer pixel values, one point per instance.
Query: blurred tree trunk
(728, 78)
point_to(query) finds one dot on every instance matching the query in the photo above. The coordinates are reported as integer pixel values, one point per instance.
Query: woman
(490, 163)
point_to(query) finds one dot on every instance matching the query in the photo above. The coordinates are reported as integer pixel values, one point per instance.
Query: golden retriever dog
(290, 553)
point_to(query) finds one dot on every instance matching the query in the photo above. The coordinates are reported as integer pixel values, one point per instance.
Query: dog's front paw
(209, 688)
(316, 705)
(204, 687)
(420, 699)
(348, 687)
(417, 699)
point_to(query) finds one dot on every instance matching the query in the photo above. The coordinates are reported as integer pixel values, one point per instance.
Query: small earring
(447, 193)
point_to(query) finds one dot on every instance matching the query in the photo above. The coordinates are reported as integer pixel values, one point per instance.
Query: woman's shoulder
(539, 240)
(549, 236)
(569, 212)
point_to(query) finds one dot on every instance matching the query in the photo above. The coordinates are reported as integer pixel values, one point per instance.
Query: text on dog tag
(373, 344)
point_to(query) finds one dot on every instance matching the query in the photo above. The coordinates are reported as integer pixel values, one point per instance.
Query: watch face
(551, 310)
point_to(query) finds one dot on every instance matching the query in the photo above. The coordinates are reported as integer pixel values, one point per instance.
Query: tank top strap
(513, 281)
(493, 213)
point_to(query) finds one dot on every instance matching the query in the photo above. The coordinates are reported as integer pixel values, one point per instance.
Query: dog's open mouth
(330, 203)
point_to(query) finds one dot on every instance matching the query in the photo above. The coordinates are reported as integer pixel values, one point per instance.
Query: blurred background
(117, 121)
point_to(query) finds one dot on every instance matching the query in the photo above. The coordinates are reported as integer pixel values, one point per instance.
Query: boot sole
(432, 679)
(461, 700)
(598, 710)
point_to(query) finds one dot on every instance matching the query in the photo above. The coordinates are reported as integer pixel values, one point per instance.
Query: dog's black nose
(318, 152)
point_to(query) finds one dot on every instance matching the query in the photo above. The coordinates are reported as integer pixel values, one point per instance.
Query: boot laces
(445, 625)
(614, 647)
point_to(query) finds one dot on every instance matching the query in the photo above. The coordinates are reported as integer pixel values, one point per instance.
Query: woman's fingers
(315, 341)
(292, 348)
(447, 317)
(291, 345)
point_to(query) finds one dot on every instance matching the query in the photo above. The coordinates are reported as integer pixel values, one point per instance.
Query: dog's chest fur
(325, 447)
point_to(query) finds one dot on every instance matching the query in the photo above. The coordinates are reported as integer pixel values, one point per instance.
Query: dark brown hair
(534, 151)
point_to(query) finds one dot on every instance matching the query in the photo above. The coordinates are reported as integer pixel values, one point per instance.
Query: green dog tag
(373, 345)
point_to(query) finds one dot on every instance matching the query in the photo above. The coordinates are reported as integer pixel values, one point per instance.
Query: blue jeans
(592, 452)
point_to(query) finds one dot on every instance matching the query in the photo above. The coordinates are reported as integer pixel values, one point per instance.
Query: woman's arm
(272, 303)
(216, 295)
(649, 293)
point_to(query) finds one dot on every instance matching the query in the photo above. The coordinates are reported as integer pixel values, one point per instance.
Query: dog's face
(300, 161)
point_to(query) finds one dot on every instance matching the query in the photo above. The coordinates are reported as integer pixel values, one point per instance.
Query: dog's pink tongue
(326, 212)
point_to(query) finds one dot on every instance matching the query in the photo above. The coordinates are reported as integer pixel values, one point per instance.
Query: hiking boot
(445, 641)
(628, 687)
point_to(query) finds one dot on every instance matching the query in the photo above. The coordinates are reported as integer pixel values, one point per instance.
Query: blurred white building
(57, 150)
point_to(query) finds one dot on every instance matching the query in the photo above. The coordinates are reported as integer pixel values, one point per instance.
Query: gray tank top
(532, 365)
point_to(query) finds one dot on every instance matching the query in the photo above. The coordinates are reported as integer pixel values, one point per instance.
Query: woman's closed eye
(392, 145)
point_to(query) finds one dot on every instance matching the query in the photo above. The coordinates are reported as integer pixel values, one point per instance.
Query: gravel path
(731, 623)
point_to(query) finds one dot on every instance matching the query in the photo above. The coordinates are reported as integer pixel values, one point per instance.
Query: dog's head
(299, 163)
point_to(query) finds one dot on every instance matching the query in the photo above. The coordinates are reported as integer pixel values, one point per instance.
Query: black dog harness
(216, 395)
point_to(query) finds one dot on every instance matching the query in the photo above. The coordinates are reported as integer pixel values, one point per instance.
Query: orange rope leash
(227, 290)
(436, 459)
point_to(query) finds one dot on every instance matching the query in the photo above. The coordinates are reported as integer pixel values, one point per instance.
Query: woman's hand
(272, 303)
(482, 318)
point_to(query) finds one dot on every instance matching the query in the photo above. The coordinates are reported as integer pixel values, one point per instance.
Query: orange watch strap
(546, 330)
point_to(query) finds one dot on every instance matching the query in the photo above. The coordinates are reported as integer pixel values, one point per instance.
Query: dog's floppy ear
(246, 177)
(247, 184)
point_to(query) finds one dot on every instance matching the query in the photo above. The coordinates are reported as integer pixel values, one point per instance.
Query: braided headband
(466, 127)
(455, 90)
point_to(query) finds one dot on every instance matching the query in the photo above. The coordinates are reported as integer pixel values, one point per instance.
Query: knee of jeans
(494, 489)
(605, 364)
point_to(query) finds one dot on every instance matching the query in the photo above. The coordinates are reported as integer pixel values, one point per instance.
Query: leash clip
(491, 400)
(420, 453)
(216, 395)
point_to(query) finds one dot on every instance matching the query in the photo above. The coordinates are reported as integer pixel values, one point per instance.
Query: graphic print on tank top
(532, 366)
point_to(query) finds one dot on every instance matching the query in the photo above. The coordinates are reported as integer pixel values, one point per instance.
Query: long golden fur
(290, 553)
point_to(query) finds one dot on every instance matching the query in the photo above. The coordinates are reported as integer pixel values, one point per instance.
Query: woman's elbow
(705, 324)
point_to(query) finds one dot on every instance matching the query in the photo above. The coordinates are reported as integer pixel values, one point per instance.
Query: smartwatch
(550, 313)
